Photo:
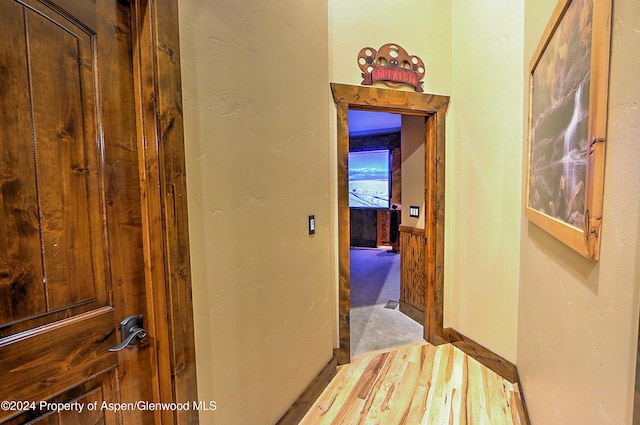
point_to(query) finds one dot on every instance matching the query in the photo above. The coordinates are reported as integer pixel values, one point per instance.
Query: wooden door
(71, 253)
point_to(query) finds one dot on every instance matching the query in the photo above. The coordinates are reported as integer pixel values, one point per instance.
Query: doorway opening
(377, 164)
(429, 244)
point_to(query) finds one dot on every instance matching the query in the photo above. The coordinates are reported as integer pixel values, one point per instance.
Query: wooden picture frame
(568, 91)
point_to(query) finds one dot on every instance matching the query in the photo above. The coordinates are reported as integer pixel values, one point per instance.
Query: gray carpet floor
(375, 280)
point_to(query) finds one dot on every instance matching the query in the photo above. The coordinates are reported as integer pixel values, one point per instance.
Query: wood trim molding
(304, 402)
(434, 196)
(398, 101)
(156, 56)
(412, 312)
(412, 230)
(521, 406)
(434, 108)
(498, 364)
(344, 236)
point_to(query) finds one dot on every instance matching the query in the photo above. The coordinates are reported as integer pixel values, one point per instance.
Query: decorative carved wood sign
(392, 65)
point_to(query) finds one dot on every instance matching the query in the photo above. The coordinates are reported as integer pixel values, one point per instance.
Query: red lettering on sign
(396, 75)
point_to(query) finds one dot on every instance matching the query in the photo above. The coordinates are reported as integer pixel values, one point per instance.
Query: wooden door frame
(434, 108)
(160, 135)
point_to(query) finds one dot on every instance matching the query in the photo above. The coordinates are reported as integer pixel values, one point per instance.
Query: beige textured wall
(422, 27)
(484, 172)
(473, 52)
(413, 145)
(578, 319)
(261, 157)
(255, 85)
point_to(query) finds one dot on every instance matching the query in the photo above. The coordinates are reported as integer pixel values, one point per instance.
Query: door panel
(53, 212)
(95, 392)
(71, 257)
(21, 291)
(47, 361)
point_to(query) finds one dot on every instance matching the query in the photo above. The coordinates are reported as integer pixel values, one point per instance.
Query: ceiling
(367, 122)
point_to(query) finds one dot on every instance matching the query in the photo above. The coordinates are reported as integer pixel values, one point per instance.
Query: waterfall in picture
(571, 155)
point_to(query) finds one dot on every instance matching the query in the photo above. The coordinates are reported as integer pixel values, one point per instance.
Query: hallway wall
(422, 27)
(483, 174)
(260, 142)
(472, 52)
(578, 319)
(413, 137)
(255, 87)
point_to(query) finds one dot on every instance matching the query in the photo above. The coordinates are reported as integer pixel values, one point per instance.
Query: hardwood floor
(417, 384)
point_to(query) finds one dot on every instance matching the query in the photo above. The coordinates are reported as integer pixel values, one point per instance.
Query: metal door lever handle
(138, 333)
(132, 332)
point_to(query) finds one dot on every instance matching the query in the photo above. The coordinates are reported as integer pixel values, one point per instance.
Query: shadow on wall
(582, 269)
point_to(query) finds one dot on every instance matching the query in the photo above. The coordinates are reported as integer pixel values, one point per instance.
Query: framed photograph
(568, 90)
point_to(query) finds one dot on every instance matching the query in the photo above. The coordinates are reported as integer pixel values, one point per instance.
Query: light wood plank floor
(416, 384)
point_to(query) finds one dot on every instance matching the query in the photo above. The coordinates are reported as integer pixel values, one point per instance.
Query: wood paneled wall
(412, 272)
(385, 140)
(383, 223)
(363, 223)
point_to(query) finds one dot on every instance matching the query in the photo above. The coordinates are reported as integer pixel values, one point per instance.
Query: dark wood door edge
(156, 58)
(310, 394)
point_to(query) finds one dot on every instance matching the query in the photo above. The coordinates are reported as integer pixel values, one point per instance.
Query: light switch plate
(312, 224)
